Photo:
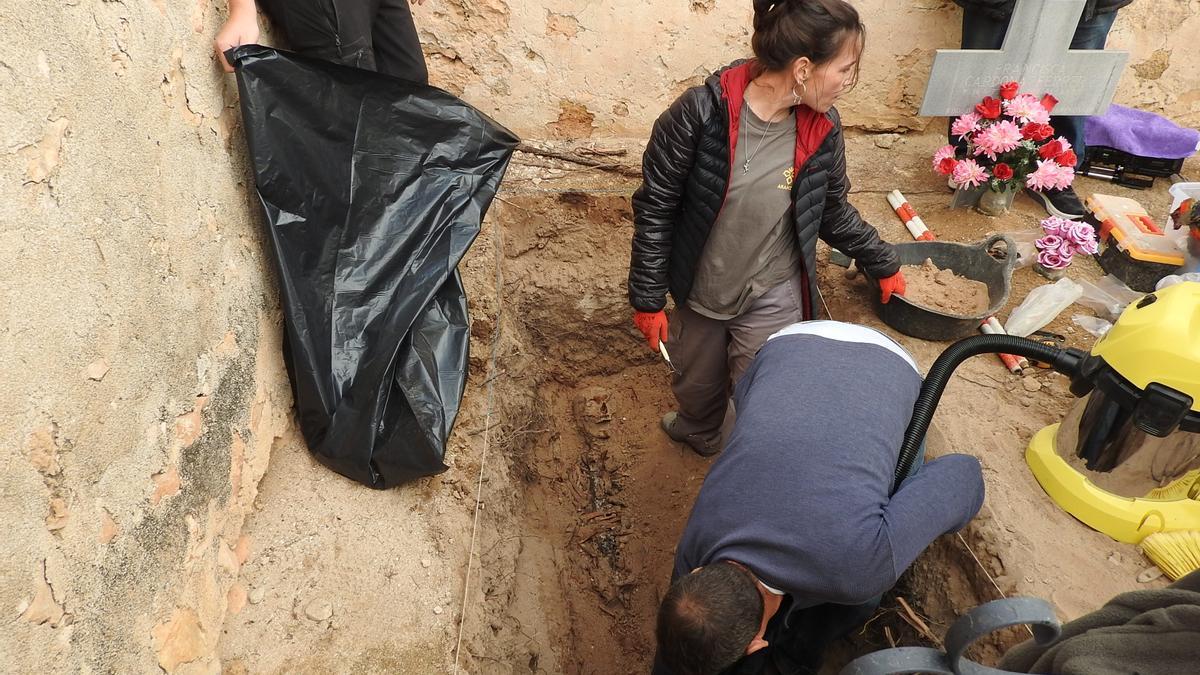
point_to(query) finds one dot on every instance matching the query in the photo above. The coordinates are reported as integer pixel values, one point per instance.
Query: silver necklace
(746, 164)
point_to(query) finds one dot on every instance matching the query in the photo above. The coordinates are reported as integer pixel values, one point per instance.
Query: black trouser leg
(333, 30)
(979, 31)
(397, 49)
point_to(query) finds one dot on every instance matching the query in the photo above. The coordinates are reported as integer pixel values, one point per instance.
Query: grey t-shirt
(752, 246)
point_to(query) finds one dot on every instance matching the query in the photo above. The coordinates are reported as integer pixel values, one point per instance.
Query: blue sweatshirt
(800, 494)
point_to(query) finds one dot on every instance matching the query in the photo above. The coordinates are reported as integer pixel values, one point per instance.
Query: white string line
(986, 574)
(498, 248)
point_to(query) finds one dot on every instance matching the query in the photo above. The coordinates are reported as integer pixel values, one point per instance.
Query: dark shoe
(703, 446)
(1061, 203)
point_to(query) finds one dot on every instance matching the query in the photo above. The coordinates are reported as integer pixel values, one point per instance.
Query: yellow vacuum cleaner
(1146, 377)
(1139, 390)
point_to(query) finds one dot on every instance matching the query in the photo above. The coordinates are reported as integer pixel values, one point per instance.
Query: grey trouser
(710, 355)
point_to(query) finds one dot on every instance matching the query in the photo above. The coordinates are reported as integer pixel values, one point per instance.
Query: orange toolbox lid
(1126, 224)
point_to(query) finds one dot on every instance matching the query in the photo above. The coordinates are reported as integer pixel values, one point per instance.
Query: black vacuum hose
(1066, 361)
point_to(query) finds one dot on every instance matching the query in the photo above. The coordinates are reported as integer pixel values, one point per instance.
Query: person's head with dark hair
(711, 618)
(809, 48)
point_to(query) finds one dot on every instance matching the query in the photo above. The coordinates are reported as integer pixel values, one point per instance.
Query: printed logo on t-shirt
(788, 176)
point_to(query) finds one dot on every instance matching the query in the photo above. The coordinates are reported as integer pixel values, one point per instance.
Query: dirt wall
(141, 384)
(564, 69)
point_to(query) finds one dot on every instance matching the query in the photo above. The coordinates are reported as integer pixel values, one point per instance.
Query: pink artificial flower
(1055, 225)
(1050, 242)
(1027, 108)
(965, 125)
(946, 151)
(998, 138)
(1064, 176)
(1053, 261)
(1050, 175)
(969, 173)
(1082, 236)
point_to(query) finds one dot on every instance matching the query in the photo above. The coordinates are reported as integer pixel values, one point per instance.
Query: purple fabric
(1141, 133)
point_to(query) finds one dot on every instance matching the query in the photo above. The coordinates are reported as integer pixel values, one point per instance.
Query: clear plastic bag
(1108, 297)
(1176, 279)
(1091, 324)
(1041, 306)
(1026, 251)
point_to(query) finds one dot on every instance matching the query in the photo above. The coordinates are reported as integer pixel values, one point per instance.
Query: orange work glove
(892, 284)
(653, 325)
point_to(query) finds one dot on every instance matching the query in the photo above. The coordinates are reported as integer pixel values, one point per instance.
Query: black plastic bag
(373, 189)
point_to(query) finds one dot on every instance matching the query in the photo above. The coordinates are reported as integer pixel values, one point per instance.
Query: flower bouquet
(1009, 145)
(1062, 240)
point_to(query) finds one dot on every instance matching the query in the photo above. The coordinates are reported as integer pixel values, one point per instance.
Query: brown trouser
(710, 355)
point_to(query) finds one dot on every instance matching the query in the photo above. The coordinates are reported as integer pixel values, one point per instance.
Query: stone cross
(1035, 53)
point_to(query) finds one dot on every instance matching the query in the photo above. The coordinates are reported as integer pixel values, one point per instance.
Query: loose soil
(582, 497)
(929, 286)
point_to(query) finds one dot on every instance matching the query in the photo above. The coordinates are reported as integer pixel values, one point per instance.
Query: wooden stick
(915, 621)
(622, 169)
(602, 152)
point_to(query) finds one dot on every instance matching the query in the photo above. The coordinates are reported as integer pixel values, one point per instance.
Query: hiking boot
(1061, 203)
(705, 447)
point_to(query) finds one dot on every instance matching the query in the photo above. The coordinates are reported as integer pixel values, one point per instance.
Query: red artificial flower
(1052, 149)
(1067, 158)
(1036, 132)
(1048, 102)
(1008, 90)
(1002, 171)
(989, 109)
(946, 166)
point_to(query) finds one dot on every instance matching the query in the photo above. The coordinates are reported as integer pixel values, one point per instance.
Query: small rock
(257, 595)
(96, 370)
(1029, 580)
(1027, 402)
(1115, 558)
(1149, 574)
(1031, 384)
(426, 562)
(437, 610)
(318, 610)
(886, 141)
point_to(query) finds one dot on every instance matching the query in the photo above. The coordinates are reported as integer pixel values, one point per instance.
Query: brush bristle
(1176, 553)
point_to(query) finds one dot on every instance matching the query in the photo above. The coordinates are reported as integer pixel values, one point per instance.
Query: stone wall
(568, 69)
(141, 389)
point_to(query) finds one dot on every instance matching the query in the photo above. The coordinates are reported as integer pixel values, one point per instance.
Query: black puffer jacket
(686, 170)
(1002, 9)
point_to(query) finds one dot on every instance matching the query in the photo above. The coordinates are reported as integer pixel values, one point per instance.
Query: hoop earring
(803, 90)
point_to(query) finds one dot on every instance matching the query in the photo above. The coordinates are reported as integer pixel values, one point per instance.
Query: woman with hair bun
(740, 177)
